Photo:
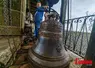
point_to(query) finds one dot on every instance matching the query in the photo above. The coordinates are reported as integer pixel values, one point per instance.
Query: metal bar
(86, 33)
(71, 26)
(75, 39)
(76, 29)
(91, 47)
(82, 17)
(67, 34)
(79, 33)
(81, 42)
(63, 14)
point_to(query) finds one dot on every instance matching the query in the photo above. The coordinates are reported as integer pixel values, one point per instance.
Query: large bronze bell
(49, 51)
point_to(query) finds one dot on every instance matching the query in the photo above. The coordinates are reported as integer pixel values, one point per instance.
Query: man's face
(39, 4)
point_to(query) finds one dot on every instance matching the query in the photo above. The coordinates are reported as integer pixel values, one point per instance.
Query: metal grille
(77, 34)
(7, 11)
(11, 12)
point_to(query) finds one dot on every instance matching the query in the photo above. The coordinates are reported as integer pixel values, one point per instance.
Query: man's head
(38, 4)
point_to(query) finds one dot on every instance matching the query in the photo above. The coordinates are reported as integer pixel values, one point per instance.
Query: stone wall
(10, 34)
(8, 48)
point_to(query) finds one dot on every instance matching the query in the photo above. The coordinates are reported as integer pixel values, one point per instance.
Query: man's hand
(46, 7)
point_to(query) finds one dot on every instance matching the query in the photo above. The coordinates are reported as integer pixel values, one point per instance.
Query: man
(29, 18)
(28, 23)
(39, 17)
(28, 27)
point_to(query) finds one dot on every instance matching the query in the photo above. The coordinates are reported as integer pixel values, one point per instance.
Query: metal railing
(77, 34)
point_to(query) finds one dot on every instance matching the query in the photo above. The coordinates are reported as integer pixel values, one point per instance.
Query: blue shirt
(39, 14)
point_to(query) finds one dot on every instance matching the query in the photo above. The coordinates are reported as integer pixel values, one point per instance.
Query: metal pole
(90, 54)
(70, 9)
(63, 15)
(66, 34)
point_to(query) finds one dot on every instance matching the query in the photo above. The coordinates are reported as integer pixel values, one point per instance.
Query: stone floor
(21, 61)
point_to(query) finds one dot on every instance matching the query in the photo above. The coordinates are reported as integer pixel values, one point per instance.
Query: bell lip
(35, 62)
(49, 58)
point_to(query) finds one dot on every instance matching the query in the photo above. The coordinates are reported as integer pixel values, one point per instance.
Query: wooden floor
(21, 61)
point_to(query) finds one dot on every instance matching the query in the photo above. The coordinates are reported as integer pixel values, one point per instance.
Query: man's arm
(42, 9)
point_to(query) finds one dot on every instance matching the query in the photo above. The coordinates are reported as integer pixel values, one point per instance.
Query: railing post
(90, 54)
(63, 14)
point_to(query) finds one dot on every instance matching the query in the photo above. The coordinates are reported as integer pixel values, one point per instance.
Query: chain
(9, 11)
(5, 11)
